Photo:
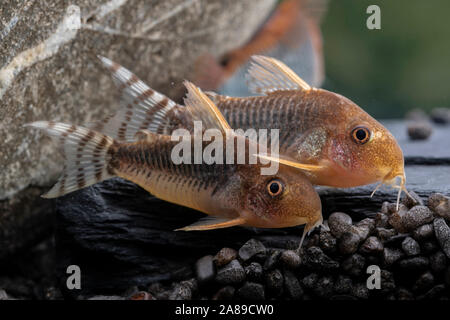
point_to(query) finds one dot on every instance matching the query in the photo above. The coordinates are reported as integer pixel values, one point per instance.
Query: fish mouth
(396, 180)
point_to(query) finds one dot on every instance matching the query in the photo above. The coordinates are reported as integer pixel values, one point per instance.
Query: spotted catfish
(327, 135)
(231, 193)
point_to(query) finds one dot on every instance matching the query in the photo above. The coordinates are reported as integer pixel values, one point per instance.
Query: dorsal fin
(203, 109)
(267, 75)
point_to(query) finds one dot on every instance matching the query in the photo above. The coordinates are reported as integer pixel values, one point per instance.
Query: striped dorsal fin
(142, 107)
(267, 75)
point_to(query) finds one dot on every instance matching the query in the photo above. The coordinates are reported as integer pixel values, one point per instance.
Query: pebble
(430, 246)
(434, 293)
(290, 259)
(272, 261)
(372, 245)
(410, 246)
(360, 291)
(442, 232)
(315, 259)
(349, 242)
(396, 240)
(384, 233)
(274, 282)
(251, 248)
(339, 223)
(204, 270)
(354, 265)
(224, 256)
(141, 295)
(387, 281)
(424, 282)
(251, 291)
(440, 115)
(254, 271)
(343, 284)
(417, 216)
(232, 273)
(440, 204)
(391, 255)
(404, 294)
(292, 285)
(411, 200)
(181, 291)
(324, 287)
(396, 218)
(416, 115)
(381, 220)
(419, 130)
(225, 293)
(414, 263)
(423, 232)
(365, 227)
(3, 295)
(327, 241)
(438, 262)
(309, 282)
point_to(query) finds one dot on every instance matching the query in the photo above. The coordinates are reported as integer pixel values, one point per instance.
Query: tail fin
(142, 107)
(85, 152)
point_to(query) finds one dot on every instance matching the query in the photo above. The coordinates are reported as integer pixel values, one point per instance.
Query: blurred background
(404, 65)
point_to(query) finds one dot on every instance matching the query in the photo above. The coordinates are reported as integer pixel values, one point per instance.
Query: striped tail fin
(142, 107)
(85, 152)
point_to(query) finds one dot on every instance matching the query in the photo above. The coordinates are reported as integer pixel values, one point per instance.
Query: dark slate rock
(292, 285)
(387, 281)
(181, 291)
(425, 231)
(204, 269)
(274, 282)
(224, 256)
(225, 293)
(254, 272)
(440, 204)
(354, 265)
(251, 291)
(232, 273)
(251, 248)
(442, 231)
(290, 259)
(339, 223)
(365, 227)
(396, 218)
(410, 246)
(315, 259)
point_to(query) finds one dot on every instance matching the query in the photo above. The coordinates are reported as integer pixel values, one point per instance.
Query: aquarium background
(403, 66)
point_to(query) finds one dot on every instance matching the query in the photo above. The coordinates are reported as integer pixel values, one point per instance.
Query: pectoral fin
(210, 223)
(291, 163)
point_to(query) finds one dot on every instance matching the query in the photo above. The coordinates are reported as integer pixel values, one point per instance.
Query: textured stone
(419, 130)
(372, 245)
(339, 223)
(251, 248)
(292, 285)
(315, 259)
(254, 271)
(442, 231)
(412, 199)
(438, 262)
(290, 259)
(440, 204)
(349, 242)
(417, 216)
(251, 291)
(225, 293)
(354, 265)
(391, 256)
(231, 273)
(425, 231)
(224, 256)
(410, 246)
(274, 282)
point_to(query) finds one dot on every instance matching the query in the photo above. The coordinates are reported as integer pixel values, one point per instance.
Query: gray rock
(412, 199)
(324, 287)
(419, 130)
(442, 231)
(292, 285)
(414, 263)
(224, 256)
(365, 227)
(404, 294)
(339, 223)
(396, 217)
(315, 259)
(343, 285)
(424, 282)
(272, 260)
(310, 281)
(410, 246)
(384, 233)
(430, 246)
(181, 291)
(438, 262)
(354, 265)
(440, 115)
(274, 282)
(254, 271)
(391, 255)
(385, 206)
(423, 232)
(327, 242)
(232, 273)
(372, 245)
(101, 297)
(360, 291)
(349, 242)
(417, 216)
(225, 293)
(387, 281)
(440, 204)
(381, 220)
(251, 248)
(204, 269)
(251, 291)
(290, 259)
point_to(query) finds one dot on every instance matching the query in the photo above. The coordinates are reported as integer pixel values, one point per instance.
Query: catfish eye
(361, 135)
(275, 188)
